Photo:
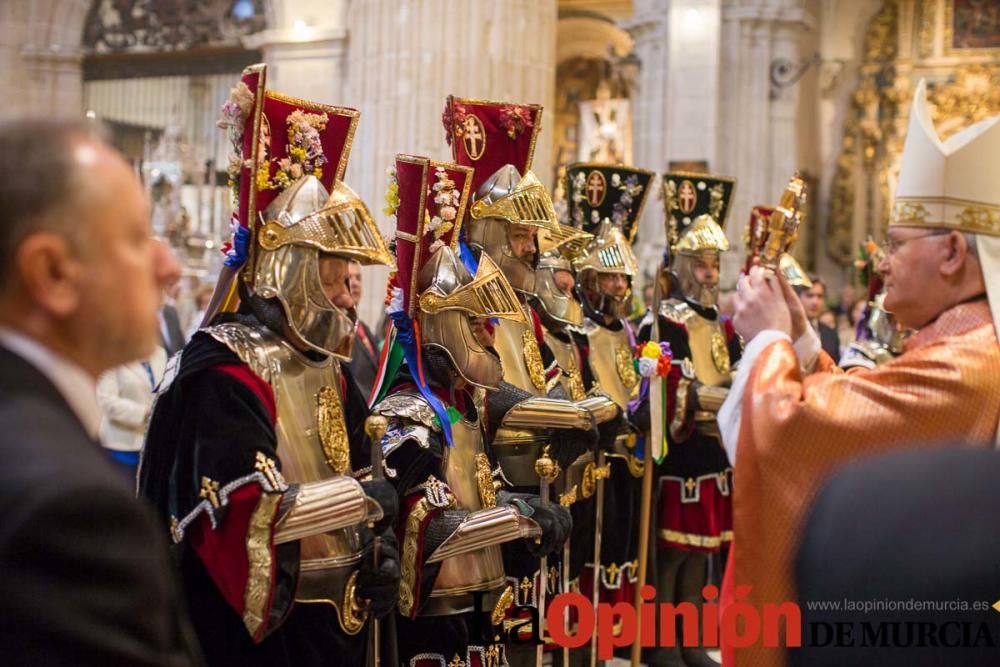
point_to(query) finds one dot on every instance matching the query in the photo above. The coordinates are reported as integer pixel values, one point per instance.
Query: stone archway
(42, 40)
(585, 45)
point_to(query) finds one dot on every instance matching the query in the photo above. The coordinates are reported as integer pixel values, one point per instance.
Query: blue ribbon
(405, 337)
(236, 256)
(465, 253)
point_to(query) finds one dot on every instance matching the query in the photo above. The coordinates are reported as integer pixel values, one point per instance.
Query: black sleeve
(644, 334)
(89, 576)
(677, 336)
(355, 414)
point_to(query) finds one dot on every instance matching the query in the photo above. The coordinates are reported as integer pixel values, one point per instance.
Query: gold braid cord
(411, 544)
(680, 409)
(258, 587)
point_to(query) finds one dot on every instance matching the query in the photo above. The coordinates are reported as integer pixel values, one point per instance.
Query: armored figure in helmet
(456, 510)
(606, 201)
(511, 222)
(256, 444)
(878, 338)
(694, 526)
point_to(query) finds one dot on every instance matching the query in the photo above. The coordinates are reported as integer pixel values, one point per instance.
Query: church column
(55, 81)
(40, 42)
(405, 56)
(650, 104)
(304, 49)
(758, 123)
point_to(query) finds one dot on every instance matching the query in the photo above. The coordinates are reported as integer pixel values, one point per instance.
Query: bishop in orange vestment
(795, 430)
(792, 418)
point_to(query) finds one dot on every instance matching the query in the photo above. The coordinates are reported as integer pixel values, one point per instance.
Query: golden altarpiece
(955, 45)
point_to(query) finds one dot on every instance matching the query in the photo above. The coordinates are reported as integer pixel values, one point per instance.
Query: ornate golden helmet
(696, 208)
(607, 201)
(292, 206)
(498, 140)
(432, 285)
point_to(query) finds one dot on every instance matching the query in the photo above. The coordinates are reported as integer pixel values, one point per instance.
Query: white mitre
(953, 184)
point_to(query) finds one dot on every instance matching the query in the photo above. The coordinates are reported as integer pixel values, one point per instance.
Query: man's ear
(954, 256)
(49, 272)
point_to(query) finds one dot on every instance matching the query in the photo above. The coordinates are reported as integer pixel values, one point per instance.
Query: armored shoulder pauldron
(408, 405)
(259, 348)
(677, 312)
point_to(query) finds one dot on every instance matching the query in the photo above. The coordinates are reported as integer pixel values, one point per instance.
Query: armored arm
(319, 507)
(483, 528)
(513, 408)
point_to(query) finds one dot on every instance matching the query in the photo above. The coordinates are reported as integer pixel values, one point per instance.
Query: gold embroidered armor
(470, 557)
(519, 355)
(707, 340)
(567, 357)
(611, 362)
(312, 440)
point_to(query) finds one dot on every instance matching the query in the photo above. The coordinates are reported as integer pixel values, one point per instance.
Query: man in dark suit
(85, 575)
(814, 303)
(364, 354)
(892, 532)
(171, 334)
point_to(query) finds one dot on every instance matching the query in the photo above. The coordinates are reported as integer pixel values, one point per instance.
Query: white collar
(77, 388)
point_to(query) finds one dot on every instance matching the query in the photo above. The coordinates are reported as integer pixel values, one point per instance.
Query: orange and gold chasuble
(795, 432)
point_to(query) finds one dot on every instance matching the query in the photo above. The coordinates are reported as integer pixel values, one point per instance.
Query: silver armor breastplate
(522, 365)
(567, 357)
(468, 473)
(519, 355)
(312, 445)
(611, 358)
(707, 341)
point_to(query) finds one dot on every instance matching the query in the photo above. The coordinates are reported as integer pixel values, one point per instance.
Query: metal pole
(645, 515)
(375, 428)
(595, 594)
(646, 509)
(547, 470)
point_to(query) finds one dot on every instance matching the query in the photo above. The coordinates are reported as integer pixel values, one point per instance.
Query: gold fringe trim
(694, 540)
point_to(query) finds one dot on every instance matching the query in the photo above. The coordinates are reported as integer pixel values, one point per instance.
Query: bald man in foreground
(792, 418)
(85, 577)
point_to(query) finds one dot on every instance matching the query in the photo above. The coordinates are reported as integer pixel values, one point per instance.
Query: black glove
(384, 494)
(554, 520)
(569, 444)
(609, 431)
(379, 585)
(693, 404)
